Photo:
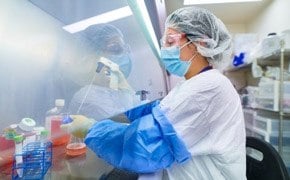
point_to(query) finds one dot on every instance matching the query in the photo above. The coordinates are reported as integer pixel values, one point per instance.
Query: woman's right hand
(79, 126)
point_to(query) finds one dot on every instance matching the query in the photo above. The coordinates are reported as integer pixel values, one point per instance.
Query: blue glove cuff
(177, 146)
(147, 145)
(141, 110)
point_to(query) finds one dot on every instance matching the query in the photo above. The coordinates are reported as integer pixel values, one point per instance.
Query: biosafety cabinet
(52, 65)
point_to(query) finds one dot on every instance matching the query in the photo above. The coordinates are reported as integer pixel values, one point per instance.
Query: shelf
(243, 67)
(271, 112)
(268, 109)
(269, 60)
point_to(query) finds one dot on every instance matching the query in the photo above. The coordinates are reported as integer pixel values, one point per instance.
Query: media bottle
(53, 121)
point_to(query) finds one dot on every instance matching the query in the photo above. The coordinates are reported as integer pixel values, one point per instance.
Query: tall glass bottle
(53, 121)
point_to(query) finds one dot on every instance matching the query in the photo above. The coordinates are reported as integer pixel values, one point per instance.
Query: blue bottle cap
(66, 120)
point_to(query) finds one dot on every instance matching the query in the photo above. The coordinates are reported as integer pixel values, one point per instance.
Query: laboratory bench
(63, 167)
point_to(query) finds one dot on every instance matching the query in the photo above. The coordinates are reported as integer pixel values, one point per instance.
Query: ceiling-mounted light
(102, 18)
(192, 2)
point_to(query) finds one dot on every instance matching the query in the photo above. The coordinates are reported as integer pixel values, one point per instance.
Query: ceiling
(229, 13)
(70, 11)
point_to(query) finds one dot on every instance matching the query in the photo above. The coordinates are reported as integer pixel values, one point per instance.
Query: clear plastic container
(268, 97)
(270, 44)
(76, 146)
(53, 121)
(286, 36)
(270, 124)
(26, 127)
(273, 137)
(41, 135)
(57, 110)
(18, 154)
(249, 116)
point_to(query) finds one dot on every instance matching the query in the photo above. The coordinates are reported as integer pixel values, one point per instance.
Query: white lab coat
(206, 113)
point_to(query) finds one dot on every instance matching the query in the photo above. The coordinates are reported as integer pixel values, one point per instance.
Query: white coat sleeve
(188, 117)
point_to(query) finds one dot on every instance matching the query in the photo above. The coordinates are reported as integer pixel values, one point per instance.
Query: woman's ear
(193, 46)
(199, 43)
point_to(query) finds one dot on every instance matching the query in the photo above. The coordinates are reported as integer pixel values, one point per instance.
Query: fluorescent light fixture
(148, 23)
(102, 18)
(192, 2)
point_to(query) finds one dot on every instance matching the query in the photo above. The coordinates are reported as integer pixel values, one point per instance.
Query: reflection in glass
(97, 73)
(108, 92)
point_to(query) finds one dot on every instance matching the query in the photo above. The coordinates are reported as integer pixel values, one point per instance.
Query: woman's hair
(200, 25)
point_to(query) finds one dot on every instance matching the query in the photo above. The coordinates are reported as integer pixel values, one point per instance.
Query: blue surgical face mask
(170, 57)
(124, 62)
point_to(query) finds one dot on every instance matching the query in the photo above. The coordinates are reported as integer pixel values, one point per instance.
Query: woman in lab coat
(197, 131)
(205, 109)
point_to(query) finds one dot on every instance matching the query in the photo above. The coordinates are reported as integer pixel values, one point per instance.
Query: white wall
(236, 28)
(275, 18)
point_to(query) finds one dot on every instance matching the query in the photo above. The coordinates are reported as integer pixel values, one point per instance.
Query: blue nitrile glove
(141, 110)
(145, 146)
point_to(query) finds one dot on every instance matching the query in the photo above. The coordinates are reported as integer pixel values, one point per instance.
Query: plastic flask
(42, 144)
(41, 135)
(53, 121)
(76, 147)
(26, 127)
(18, 139)
(10, 132)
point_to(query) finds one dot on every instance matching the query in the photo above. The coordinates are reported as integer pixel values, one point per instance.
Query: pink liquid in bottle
(58, 136)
